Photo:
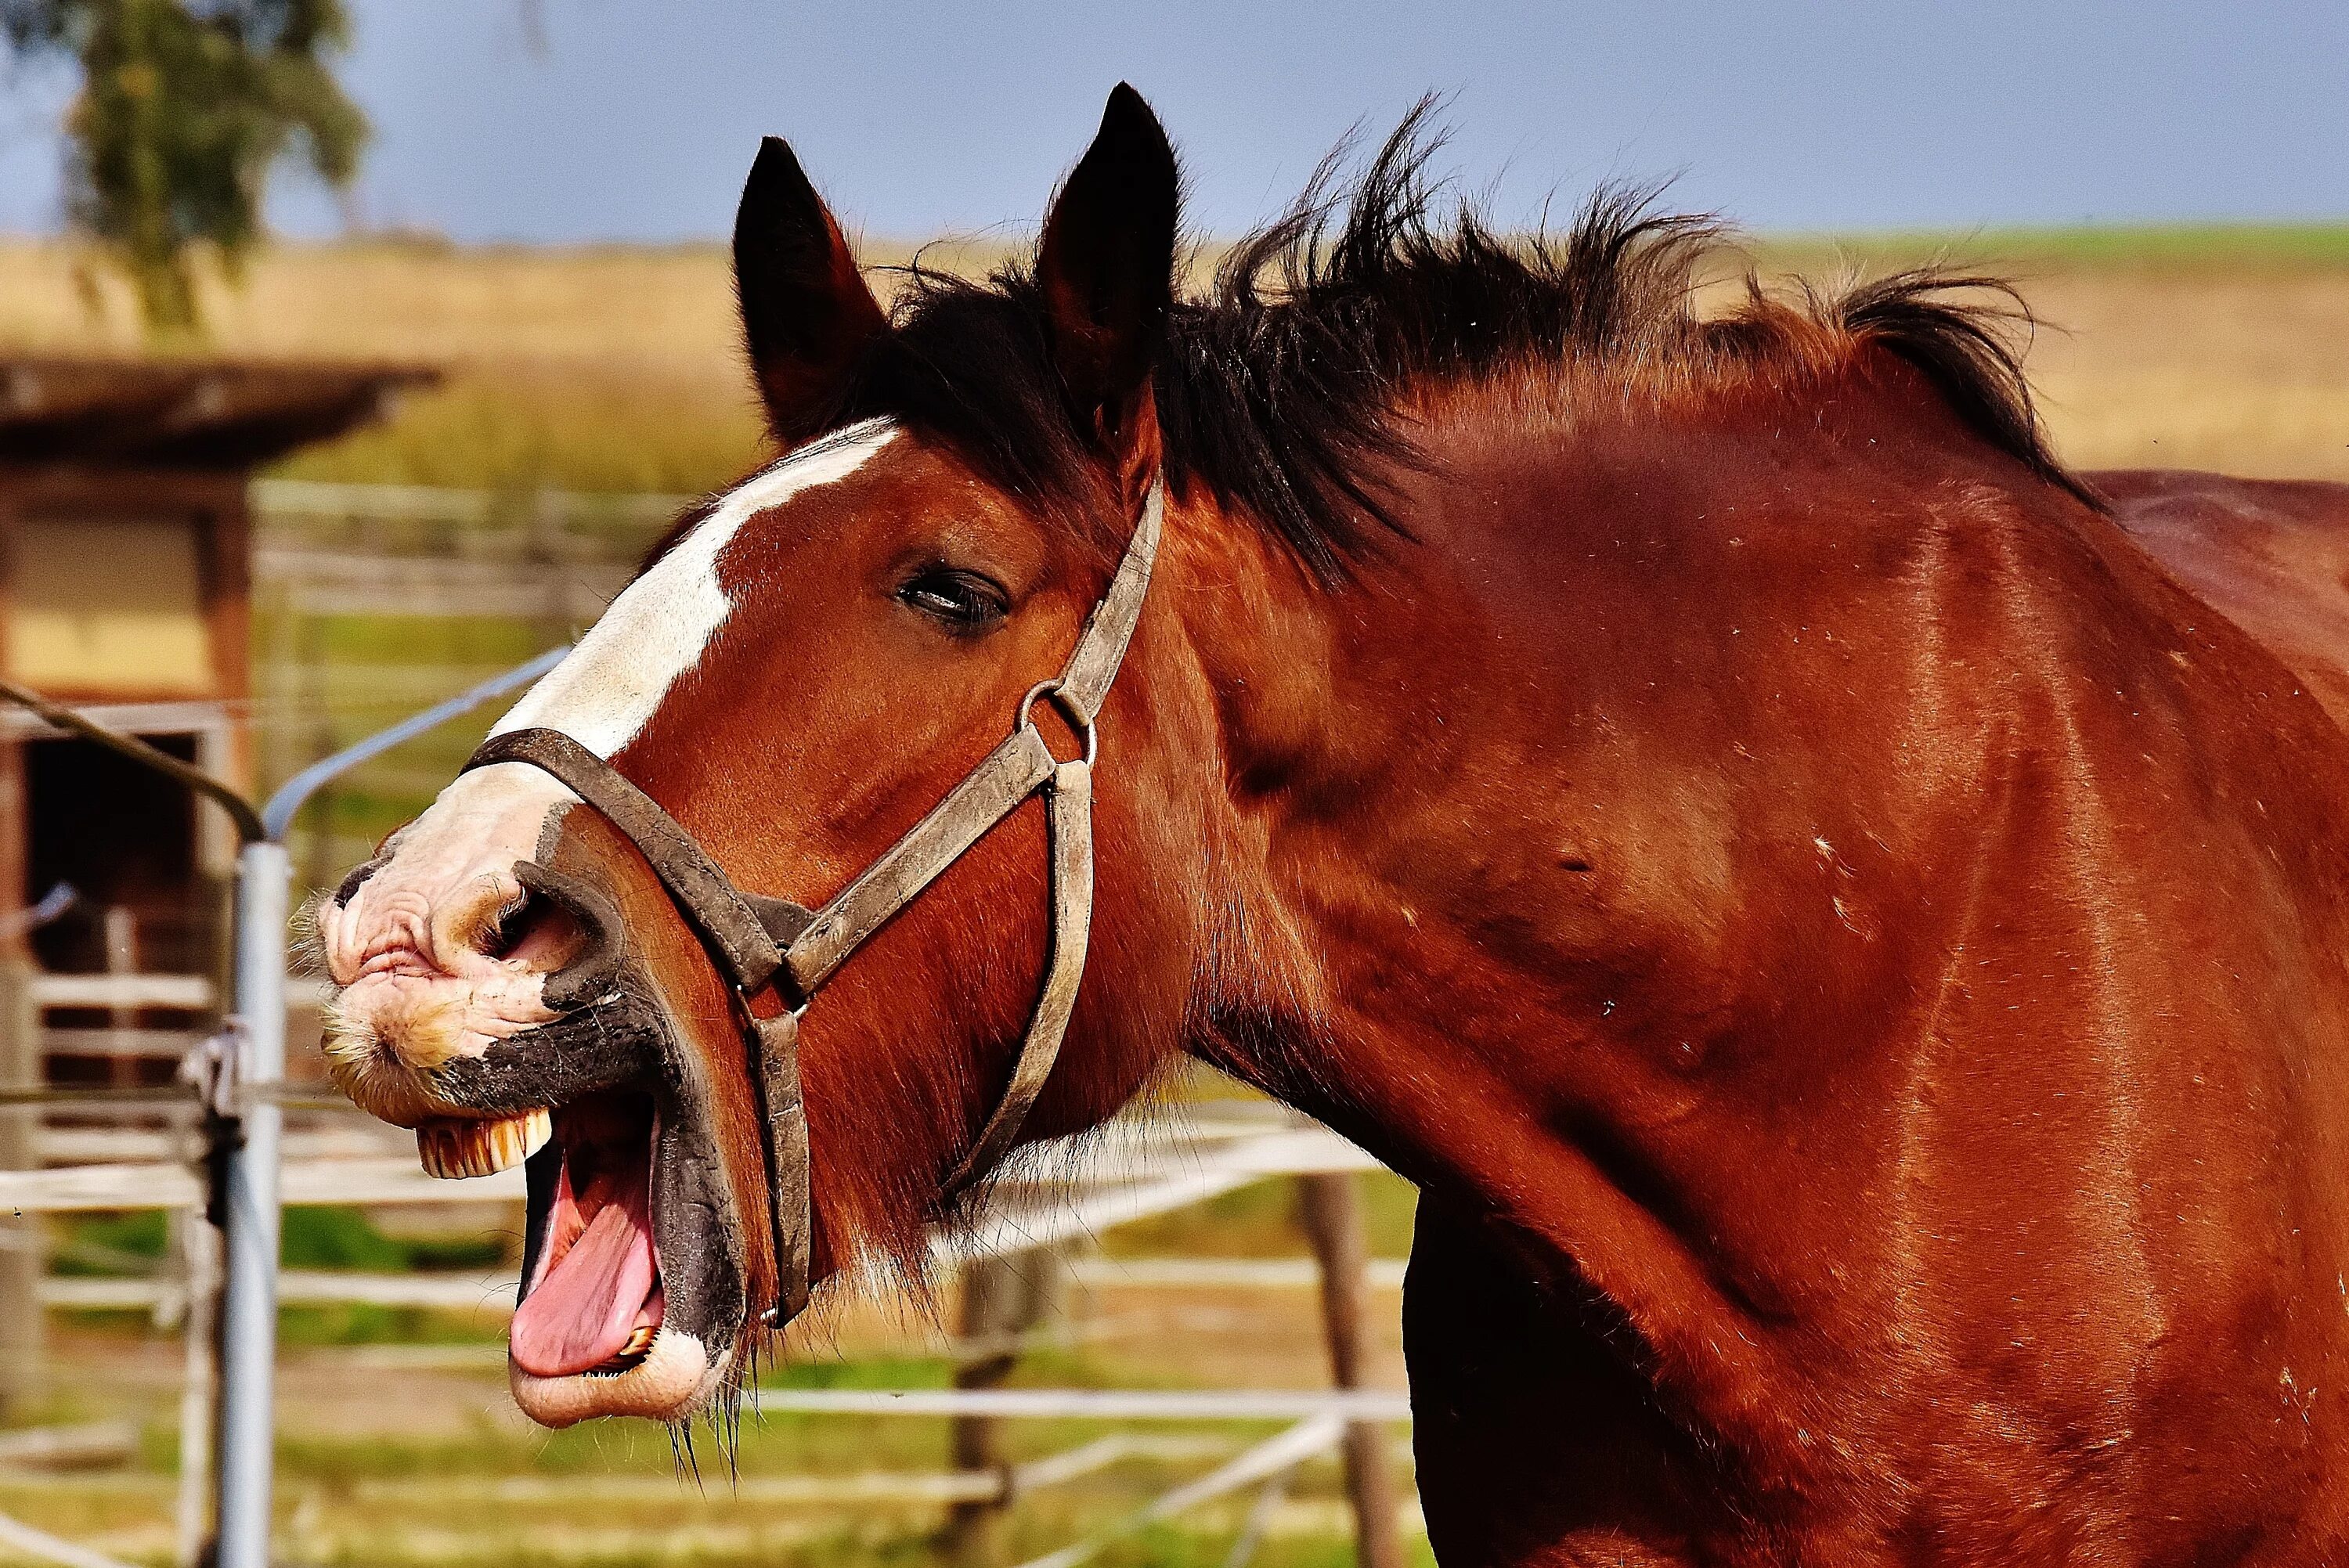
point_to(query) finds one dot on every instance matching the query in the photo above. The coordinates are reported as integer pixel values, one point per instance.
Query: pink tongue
(583, 1311)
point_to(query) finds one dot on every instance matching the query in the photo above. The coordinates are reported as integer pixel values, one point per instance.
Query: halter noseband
(782, 953)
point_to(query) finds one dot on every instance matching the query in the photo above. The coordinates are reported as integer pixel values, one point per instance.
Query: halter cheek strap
(777, 955)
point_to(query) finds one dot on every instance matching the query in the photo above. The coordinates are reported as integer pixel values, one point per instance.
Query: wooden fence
(1136, 1167)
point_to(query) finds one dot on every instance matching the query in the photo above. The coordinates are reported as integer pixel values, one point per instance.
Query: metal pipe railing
(251, 1215)
(245, 1097)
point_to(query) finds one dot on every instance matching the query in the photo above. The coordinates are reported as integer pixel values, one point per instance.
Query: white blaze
(614, 681)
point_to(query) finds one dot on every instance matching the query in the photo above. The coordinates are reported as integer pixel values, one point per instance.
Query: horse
(1847, 943)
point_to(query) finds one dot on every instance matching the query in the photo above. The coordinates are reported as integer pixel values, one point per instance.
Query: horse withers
(1849, 947)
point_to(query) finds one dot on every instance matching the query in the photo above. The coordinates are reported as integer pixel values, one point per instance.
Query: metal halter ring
(1076, 721)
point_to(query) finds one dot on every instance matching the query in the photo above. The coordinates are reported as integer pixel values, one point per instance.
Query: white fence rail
(473, 510)
(1162, 1173)
(398, 549)
(1135, 1169)
(495, 1294)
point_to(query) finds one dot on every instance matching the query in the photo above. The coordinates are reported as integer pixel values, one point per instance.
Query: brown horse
(1849, 949)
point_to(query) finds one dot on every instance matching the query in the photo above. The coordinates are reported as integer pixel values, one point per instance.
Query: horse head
(812, 662)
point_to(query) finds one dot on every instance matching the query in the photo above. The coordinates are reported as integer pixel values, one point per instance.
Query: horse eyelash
(996, 605)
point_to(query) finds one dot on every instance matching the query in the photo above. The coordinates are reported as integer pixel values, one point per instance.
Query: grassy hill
(612, 368)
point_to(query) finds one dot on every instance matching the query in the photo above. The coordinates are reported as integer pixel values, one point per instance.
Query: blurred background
(352, 351)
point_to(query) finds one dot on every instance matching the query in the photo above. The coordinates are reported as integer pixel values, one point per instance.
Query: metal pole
(249, 1306)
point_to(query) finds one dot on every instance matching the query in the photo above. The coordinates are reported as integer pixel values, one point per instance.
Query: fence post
(200, 1250)
(1330, 1204)
(1002, 1299)
(121, 928)
(23, 1255)
(249, 1304)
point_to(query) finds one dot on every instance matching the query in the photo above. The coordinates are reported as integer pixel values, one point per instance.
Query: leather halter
(779, 953)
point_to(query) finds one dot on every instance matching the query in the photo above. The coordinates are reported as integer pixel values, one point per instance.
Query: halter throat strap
(777, 955)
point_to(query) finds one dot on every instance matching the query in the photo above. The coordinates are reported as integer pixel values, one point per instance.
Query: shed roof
(183, 413)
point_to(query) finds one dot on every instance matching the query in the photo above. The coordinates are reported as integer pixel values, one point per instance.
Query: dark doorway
(124, 837)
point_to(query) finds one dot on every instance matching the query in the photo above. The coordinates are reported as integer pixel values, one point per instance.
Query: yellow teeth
(450, 1148)
(640, 1339)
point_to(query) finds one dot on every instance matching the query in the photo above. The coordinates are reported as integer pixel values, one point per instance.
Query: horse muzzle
(447, 949)
(489, 1002)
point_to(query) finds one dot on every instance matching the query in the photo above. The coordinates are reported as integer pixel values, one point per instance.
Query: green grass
(2264, 247)
(325, 1326)
(315, 1238)
(420, 640)
(471, 1489)
(1260, 1221)
(359, 1322)
(108, 1244)
(1169, 1546)
(617, 369)
(321, 666)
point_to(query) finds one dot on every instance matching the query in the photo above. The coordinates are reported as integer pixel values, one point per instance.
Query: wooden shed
(125, 588)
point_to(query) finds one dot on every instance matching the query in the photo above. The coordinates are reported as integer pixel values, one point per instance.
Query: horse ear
(807, 316)
(1106, 268)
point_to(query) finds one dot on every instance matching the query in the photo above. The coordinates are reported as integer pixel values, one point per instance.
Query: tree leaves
(185, 107)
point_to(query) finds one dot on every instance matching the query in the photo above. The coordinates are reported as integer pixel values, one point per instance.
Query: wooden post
(121, 928)
(199, 1268)
(542, 549)
(1331, 1205)
(23, 1255)
(277, 728)
(1002, 1299)
(318, 723)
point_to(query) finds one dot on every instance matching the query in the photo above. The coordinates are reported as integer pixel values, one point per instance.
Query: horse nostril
(563, 928)
(536, 931)
(358, 875)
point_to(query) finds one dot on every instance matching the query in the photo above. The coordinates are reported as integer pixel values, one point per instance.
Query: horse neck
(1528, 741)
(1598, 861)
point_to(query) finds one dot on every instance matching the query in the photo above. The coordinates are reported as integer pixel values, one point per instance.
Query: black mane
(1279, 391)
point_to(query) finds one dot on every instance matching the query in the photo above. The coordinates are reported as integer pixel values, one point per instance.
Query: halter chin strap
(777, 955)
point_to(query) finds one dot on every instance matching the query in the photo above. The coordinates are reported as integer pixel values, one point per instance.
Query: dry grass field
(616, 369)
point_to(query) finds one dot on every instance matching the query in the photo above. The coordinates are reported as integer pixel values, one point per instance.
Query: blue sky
(638, 118)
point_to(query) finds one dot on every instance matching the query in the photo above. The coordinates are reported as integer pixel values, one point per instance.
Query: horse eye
(962, 600)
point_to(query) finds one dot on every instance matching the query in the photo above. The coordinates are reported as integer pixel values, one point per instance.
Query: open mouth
(635, 1261)
(592, 1304)
(631, 1299)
